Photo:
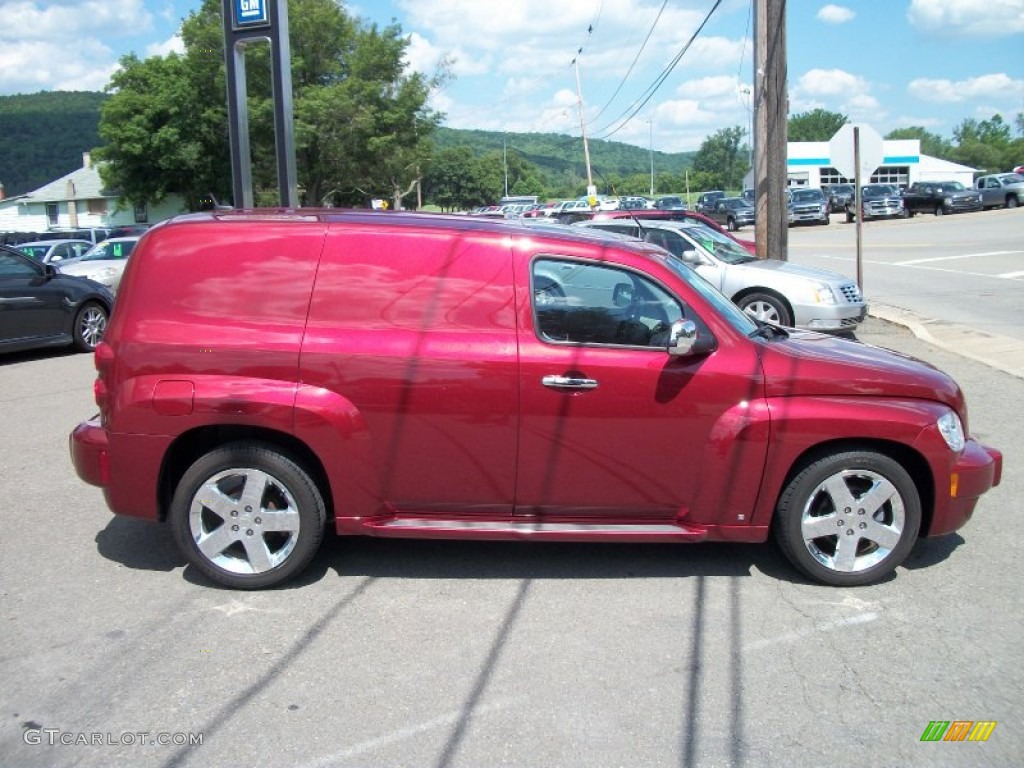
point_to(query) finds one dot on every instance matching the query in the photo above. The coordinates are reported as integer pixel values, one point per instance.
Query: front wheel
(849, 519)
(940, 210)
(766, 307)
(248, 516)
(1011, 202)
(90, 324)
(731, 224)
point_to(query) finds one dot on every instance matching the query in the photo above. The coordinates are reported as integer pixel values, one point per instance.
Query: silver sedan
(775, 291)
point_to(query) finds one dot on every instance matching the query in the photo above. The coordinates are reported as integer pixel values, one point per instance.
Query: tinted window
(597, 304)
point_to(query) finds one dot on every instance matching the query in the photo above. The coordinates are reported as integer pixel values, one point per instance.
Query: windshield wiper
(768, 331)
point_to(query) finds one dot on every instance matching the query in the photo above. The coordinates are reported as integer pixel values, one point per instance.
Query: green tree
(719, 161)
(987, 145)
(453, 180)
(154, 144)
(931, 143)
(816, 125)
(361, 122)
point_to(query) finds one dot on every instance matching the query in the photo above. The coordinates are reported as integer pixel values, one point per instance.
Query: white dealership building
(809, 164)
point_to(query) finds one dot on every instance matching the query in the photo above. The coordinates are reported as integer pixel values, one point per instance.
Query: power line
(660, 80)
(630, 70)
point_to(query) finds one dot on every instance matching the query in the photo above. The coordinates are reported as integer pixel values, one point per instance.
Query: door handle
(568, 382)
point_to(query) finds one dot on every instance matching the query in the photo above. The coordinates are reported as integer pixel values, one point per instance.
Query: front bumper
(978, 469)
(838, 317)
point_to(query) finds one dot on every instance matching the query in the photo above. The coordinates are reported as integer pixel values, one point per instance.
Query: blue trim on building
(823, 161)
(901, 160)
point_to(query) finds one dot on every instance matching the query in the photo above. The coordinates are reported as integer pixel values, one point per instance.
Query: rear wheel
(248, 516)
(849, 519)
(90, 324)
(766, 307)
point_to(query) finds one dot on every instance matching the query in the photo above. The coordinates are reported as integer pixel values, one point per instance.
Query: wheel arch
(191, 445)
(913, 462)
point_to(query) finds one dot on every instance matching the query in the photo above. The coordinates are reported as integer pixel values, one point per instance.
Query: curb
(1000, 352)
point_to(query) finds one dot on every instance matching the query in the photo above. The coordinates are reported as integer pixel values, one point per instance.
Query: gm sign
(250, 13)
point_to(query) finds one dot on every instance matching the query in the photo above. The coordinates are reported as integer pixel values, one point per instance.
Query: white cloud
(65, 45)
(967, 18)
(73, 21)
(172, 44)
(943, 91)
(835, 14)
(836, 90)
(33, 65)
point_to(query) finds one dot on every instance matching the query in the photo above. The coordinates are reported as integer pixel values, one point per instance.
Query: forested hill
(557, 153)
(43, 136)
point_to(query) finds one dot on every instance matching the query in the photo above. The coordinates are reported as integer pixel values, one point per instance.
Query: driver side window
(580, 303)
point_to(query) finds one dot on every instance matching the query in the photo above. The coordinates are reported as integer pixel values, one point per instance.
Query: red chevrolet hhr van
(269, 374)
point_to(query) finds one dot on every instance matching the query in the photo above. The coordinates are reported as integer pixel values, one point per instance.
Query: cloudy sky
(647, 76)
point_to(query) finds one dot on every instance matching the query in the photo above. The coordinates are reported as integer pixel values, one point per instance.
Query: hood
(797, 270)
(809, 364)
(85, 267)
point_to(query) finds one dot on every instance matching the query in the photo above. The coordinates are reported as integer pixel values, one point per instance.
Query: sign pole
(247, 22)
(860, 212)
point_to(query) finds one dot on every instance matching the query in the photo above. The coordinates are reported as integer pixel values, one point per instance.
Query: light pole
(650, 128)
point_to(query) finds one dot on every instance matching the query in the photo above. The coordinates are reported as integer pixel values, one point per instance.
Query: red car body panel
(397, 353)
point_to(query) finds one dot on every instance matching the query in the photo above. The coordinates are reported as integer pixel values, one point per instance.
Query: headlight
(952, 431)
(103, 274)
(948, 200)
(823, 294)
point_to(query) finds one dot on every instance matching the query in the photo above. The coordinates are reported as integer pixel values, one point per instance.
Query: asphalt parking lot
(412, 653)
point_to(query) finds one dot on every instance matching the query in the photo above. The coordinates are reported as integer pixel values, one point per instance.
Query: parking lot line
(958, 256)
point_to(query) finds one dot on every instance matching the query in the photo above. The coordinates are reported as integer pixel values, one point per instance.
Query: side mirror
(690, 257)
(684, 339)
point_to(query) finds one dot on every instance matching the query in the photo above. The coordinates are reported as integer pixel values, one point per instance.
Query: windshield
(732, 314)
(952, 186)
(37, 252)
(721, 246)
(110, 250)
(806, 196)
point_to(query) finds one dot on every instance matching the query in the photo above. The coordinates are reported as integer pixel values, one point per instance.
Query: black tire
(90, 325)
(885, 528)
(730, 223)
(234, 543)
(940, 210)
(767, 307)
(849, 218)
(1011, 202)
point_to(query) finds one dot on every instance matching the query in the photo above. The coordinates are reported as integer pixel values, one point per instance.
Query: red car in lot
(268, 375)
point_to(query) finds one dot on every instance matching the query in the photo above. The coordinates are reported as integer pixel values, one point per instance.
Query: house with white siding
(79, 200)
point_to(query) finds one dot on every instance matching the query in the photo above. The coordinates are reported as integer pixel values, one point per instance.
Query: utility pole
(591, 189)
(771, 106)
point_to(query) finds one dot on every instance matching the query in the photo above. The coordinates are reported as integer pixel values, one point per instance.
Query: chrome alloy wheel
(244, 521)
(853, 520)
(92, 322)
